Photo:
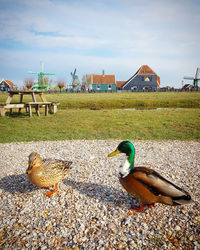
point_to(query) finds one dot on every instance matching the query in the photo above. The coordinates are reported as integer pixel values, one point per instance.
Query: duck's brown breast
(138, 189)
(41, 179)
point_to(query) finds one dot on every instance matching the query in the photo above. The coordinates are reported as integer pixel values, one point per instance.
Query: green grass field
(121, 100)
(76, 120)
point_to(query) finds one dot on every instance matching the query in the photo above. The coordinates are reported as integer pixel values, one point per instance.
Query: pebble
(90, 210)
(177, 228)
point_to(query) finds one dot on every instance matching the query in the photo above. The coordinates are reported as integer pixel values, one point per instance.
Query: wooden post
(9, 98)
(54, 108)
(37, 109)
(43, 97)
(46, 109)
(21, 99)
(30, 110)
(34, 100)
(33, 96)
(2, 109)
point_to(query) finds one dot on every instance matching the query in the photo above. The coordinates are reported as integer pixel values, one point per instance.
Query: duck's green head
(125, 147)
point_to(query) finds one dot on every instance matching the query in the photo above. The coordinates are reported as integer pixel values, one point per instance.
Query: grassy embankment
(76, 120)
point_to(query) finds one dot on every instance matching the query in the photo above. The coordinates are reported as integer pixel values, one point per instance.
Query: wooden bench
(37, 106)
(49, 106)
(10, 106)
(53, 107)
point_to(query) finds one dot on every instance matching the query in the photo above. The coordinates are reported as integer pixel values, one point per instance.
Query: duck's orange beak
(29, 169)
(114, 153)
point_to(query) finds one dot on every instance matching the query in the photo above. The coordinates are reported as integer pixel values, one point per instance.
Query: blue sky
(115, 35)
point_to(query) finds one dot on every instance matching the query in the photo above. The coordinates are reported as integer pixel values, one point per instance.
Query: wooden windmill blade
(196, 77)
(73, 74)
(188, 77)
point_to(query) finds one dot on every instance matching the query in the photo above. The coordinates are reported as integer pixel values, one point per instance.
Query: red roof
(10, 83)
(145, 70)
(119, 84)
(103, 79)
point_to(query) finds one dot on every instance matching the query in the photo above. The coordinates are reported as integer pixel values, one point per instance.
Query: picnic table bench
(49, 106)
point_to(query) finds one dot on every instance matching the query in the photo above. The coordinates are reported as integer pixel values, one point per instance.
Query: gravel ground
(91, 209)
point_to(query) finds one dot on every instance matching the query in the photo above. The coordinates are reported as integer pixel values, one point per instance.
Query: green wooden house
(100, 83)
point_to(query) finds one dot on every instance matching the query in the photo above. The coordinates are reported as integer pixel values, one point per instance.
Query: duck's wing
(160, 186)
(54, 164)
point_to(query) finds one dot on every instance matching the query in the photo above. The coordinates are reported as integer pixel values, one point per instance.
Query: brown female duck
(46, 173)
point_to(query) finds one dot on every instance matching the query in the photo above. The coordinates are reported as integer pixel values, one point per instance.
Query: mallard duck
(145, 184)
(46, 173)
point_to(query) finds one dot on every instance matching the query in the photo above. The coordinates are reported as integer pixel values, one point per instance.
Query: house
(99, 83)
(145, 79)
(6, 85)
(120, 84)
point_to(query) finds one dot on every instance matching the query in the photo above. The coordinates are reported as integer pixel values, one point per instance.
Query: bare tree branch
(28, 83)
(61, 84)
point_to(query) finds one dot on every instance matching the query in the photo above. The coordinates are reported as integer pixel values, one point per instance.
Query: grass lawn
(66, 124)
(100, 116)
(120, 100)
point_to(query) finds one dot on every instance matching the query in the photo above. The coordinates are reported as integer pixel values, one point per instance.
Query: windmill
(41, 84)
(75, 82)
(195, 79)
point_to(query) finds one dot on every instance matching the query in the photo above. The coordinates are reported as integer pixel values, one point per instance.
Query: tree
(61, 84)
(87, 81)
(28, 83)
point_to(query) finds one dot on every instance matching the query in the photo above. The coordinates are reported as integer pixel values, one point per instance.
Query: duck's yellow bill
(29, 169)
(114, 153)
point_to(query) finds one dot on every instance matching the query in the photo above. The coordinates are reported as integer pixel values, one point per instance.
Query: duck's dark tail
(182, 200)
(175, 201)
(68, 165)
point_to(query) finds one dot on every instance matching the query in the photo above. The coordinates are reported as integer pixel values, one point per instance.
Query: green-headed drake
(145, 184)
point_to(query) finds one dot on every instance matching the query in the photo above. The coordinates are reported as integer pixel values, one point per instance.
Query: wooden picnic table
(52, 106)
(33, 93)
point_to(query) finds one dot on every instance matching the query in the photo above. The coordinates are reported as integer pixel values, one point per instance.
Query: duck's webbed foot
(140, 208)
(150, 205)
(50, 193)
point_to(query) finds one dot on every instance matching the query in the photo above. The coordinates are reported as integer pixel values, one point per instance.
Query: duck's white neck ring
(124, 168)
